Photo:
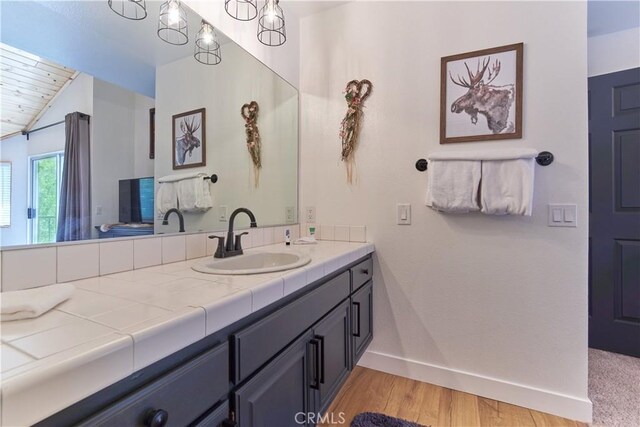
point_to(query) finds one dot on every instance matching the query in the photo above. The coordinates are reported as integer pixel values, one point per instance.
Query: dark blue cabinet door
(278, 395)
(333, 335)
(361, 320)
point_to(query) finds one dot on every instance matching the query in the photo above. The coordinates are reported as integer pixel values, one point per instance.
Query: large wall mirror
(152, 125)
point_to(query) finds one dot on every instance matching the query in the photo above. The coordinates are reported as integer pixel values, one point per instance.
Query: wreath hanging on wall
(356, 93)
(250, 114)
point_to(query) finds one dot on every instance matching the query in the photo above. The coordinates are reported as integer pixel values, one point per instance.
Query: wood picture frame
(481, 95)
(189, 144)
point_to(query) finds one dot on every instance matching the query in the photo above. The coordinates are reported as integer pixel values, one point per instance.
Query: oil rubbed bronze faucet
(233, 247)
(165, 221)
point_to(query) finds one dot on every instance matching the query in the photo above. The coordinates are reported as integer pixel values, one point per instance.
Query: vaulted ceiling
(28, 85)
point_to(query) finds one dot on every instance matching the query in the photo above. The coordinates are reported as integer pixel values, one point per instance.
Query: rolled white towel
(16, 305)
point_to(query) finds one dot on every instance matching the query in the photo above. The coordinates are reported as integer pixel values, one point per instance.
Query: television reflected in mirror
(130, 84)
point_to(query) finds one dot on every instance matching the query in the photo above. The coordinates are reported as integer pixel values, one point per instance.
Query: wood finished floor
(368, 390)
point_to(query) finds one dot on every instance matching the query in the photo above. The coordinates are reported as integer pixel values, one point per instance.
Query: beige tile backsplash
(26, 268)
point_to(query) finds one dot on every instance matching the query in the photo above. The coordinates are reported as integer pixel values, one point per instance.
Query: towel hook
(544, 158)
(213, 178)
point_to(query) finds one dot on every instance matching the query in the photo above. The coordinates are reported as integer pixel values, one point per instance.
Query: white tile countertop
(117, 324)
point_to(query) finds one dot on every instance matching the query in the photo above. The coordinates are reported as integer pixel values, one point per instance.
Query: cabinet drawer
(256, 344)
(361, 274)
(183, 394)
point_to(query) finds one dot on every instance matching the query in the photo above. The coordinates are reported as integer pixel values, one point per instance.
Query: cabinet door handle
(156, 418)
(357, 322)
(320, 339)
(316, 364)
(365, 271)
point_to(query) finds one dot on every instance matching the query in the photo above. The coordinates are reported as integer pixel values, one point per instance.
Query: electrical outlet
(288, 211)
(222, 214)
(310, 214)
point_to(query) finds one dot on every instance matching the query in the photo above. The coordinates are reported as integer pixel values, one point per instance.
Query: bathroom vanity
(270, 367)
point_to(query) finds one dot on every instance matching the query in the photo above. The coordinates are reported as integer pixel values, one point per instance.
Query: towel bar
(544, 158)
(213, 178)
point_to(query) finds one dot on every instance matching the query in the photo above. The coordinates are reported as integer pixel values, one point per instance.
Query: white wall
(78, 96)
(613, 52)
(121, 118)
(495, 306)
(284, 59)
(186, 85)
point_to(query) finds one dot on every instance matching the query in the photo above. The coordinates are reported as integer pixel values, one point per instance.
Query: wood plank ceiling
(28, 87)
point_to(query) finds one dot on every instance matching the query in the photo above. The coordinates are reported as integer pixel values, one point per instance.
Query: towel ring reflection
(544, 158)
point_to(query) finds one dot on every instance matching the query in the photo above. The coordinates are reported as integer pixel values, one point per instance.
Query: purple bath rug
(374, 419)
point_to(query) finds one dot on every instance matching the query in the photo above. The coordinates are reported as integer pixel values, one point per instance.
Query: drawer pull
(320, 339)
(364, 271)
(156, 418)
(357, 316)
(316, 363)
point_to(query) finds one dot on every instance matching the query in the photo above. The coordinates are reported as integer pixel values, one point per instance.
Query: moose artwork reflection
(481, 95)
(189, 145)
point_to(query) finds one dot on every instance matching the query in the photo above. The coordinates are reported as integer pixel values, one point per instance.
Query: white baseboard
(571, 407)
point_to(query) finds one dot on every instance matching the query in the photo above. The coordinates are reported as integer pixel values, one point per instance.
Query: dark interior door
(614, 153)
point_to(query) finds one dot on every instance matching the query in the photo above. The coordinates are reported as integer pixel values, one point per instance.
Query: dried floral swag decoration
(355, 93)
(250, 114)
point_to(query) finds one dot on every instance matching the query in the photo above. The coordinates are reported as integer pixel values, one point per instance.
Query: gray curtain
(74, 216)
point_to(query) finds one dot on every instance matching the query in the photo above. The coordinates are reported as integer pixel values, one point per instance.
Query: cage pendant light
(242, 10)
(271, 31)
(207, 50)
(172, 24)
(131, 9)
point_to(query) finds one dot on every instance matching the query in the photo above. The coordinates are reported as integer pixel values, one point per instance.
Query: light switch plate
(562, 215)
(404, 214)
(222, 214)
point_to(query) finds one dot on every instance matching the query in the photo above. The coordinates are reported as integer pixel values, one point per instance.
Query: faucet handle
(220, 252)
(238, 245)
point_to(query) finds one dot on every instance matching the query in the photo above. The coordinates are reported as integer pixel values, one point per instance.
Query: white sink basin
(255, 263)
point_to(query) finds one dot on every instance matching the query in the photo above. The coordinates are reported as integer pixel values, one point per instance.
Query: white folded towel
(194, 194)
(167, 197)
(34, 302)
(505, 179)
(453, 185)
(507, 186)
(204, 200)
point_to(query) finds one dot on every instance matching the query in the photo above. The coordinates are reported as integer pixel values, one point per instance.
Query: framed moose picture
(189, 139)
(481, 95)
